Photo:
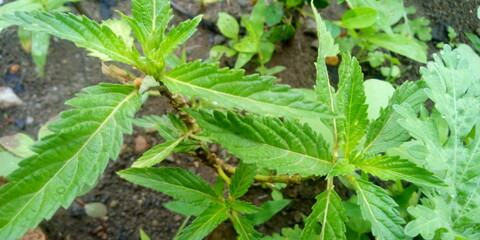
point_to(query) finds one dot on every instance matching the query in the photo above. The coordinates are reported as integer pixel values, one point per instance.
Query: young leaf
(205, 222)
(400, 44)
(143, 235)
(74, 156)
(231, 89)
(178, 35)
(268, 210)
(385, 132)
(244, 207)
(101, 41)
(175, 182)
(378, 208)
(350, 99)
(395, 168)
(360, 17)
(227, 25)
(156, 154)
(244, 227)
(40, 43)
(242, 179)
(286, 147)
(329, 211)
(184, 208)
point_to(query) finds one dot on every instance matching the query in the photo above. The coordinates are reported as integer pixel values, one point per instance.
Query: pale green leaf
(121, 28)
(395, 168)
(380, 209)
(244, 207)
(74, 156)
(385, 132)
(389, 11)
(360, 17)
(268, 210)
(231, 89)
(175, 182)
(18, 144)
(227, 25)
(143, 235)
(286, 147)
(329, 211)
(9, 163)
(205, 222)
(156, 154)
(244, 227)
(350, 100)
(148, 83)
(242, 179)
(40, 43)
(400, 44)
(378, 94)
(101, 41)
(431, 216)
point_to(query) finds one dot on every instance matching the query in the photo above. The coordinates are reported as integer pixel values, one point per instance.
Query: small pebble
(29, 120)
(8, 98)
(141, 144)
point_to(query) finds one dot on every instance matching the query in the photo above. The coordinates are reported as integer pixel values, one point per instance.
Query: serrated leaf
(380, 209)
(121, 28)
(85, 139)
(175, 182)
(385, 132)
(242, 179)
(231, 89)
(244, 227)
(429, 217)
(205, 222)
(395, 168)
(101, 41)
(184, 208)
(244, 207)
(350, 100)
(287, 147)
(178, 35)
(329, 211)
(156, 154)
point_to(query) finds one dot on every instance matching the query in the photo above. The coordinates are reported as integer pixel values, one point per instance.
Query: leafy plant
(372, 25)
(34, 42)
(280, 134)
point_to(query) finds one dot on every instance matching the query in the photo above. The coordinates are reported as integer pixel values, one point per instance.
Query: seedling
(280, 135)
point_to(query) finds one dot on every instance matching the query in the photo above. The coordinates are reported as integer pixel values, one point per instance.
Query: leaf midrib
(133, 93)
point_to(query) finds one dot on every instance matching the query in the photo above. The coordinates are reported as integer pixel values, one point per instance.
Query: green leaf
(380, 209)
(273, 14)
(40, 43)
(184, 208)
(287, 147)
(122, 29)
(389, 11)
(143, 235)
(227, 25)
(231, 89)
(360, 17)
(385, 132)
(101, 41)
(329, 211)
(242, 59)
(175, 182)
(431, 216)
(74, 156)
(350, 99)
(18, 144)
(400, 44)
(156, 154)
(244, 207)
(269, 209)
(378, 94)
(395, 168)
(244, 227)
(178, 35)
(474, 39)
(9, 163)
(242, 179)
(205, 222)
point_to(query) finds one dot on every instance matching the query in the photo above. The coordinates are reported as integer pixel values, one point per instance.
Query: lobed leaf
(100, 40)
(231, 89)
(68, 160)
(205, 222)
(175, 182)
(286, 147)
(395, 168)
(380, 209)
(329, 211)
(242, 179)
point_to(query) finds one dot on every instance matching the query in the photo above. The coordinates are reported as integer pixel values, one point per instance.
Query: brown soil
(132, 207)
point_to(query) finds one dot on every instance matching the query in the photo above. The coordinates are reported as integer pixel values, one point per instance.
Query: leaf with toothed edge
(73, 156)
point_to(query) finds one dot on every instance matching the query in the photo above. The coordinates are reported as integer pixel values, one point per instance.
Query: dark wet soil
(132, 207)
